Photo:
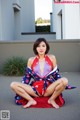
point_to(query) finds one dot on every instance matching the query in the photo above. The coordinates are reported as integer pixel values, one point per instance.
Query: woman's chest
(42, 68)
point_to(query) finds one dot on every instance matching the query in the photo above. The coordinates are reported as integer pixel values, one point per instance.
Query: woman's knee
(13, 85)
(65, 81)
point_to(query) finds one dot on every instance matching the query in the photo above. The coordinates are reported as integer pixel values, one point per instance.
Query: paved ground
(70, 111)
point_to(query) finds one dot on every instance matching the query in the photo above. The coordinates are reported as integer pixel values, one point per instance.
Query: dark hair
(37, 42)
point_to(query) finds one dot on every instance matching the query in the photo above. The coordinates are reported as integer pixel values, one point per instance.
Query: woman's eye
(43, 46)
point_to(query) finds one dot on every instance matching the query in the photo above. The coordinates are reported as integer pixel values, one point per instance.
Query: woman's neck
(41, 56)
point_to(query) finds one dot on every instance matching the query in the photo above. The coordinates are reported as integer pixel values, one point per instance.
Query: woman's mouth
(41, 50)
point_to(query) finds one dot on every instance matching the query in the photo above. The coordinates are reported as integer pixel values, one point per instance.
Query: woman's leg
(55, 89)
(24, 91)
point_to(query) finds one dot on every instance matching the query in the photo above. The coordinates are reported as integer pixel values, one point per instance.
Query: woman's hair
(36, 44)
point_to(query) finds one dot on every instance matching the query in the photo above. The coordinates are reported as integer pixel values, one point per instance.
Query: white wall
(57, 20)
(70, 21)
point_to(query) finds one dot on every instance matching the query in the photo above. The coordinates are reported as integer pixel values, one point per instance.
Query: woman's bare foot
(30, 102)
(53, 103)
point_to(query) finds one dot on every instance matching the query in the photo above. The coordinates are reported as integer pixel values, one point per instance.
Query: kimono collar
(36, 60)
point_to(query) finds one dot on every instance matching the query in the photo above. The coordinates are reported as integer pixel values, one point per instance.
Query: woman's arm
(30, 61)
(53, 59)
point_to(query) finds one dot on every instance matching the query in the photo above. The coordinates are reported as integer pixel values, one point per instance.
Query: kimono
(39, 84)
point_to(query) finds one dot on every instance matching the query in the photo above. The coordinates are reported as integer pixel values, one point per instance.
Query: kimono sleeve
(55, 74)
(27, 77)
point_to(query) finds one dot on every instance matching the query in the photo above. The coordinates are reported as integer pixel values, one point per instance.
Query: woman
(45, 82)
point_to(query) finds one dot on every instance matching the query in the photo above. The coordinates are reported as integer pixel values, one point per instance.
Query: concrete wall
(66, 52)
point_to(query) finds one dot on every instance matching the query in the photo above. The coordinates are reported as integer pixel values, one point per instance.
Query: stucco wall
(66, 52)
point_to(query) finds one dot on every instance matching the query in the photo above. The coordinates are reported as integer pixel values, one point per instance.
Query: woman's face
(41, 48)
